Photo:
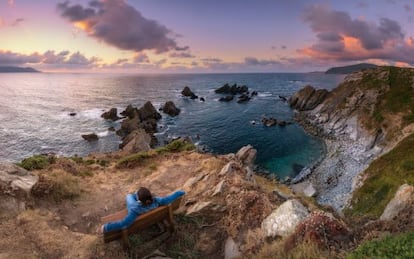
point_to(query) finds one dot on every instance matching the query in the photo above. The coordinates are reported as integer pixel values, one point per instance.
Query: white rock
(219, 188)
(228, 168)
(283, 220)
(403, 196)
(309, 190)
(247, 155)
(198, 207)
(231, 249)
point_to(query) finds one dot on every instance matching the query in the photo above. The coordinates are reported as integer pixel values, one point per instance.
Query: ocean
(35, 108)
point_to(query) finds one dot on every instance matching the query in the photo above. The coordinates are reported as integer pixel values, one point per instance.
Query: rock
(16, 185)
(72, 114)
(269, 122)
(148, 111)
(90, 137)
(228, 98)
(309, 190)
(403, 197)
(228, 168)
(231, 249)
(130, 112)
(219, 188)
(283, 98)
(112, 114)
(111, 129)
(136, 141)
(254, 93)
(198, 207)
(234, 89)
(170, 109)
(202, 99)
(307, 98)
(243, 98)
(283, 220)
(247, 155)
(188, 93)
(282, 123)
(225, 89)
(129, 125)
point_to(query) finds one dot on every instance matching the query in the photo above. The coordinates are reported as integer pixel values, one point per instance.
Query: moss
(384, 176)
(400, 246)
(36, 162)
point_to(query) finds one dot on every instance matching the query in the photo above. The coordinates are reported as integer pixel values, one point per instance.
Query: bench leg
(170, 219)
(124, 240)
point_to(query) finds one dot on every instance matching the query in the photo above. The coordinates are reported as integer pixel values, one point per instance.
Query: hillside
(349, 69)
(4, 69)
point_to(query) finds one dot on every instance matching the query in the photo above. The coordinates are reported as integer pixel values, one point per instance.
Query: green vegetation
(400, 246)
(133, 160)
(384, 176)
(177, 145)
(36, 162)
(139, 158)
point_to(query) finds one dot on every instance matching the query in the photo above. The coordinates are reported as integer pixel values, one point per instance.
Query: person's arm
(121, 224)
(170, 198)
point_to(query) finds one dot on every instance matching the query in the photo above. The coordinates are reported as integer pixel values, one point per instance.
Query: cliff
(361, 119)
(349, 69)
(18, 70)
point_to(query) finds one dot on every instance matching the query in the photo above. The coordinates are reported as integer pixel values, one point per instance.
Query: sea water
(35, 114)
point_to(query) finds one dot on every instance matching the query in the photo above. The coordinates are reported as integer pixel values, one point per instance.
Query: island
(10, 69)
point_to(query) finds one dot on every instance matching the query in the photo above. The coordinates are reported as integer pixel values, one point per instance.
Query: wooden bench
(160, 214)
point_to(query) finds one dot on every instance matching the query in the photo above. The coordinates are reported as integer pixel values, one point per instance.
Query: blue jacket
(135, 208)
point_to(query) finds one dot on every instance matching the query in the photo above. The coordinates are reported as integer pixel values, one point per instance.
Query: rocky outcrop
(284, 219)
(243, 98)
(90, 137)
(227, 98)
(234, 89)
(307, 98)
(112, 114)
(247, 155)
(136, 141)
(403, 197)
(170, 109)
(148, 112)
(130, 112)
(188, 93)
(16, 184)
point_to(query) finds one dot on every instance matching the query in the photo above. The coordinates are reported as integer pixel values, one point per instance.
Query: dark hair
(145, 196)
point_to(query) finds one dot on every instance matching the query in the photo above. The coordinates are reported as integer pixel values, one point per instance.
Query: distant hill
(18, 70)
(349, 69)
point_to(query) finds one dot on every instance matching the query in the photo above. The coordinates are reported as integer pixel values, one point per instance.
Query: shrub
(133, 160)
(177, 145)
(400, 246)
(58, 185)
(35, 162)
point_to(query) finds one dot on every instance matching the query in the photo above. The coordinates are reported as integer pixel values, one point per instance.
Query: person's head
(145, 196)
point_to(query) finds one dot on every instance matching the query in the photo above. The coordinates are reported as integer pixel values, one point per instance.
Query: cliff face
(363, 117)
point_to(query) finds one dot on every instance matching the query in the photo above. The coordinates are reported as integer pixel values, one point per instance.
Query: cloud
(120, 25)
(252, 61)
(408, 8)
(2, 22)
(181, 55)
(17, 22)
(12, 58)
(141, 58)
(211, 60)
(10, 2)
(339, 37)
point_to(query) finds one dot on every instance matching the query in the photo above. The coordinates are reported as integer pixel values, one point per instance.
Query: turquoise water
(34, 114)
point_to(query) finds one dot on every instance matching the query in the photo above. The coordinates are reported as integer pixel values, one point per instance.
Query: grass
(36, 162)
(133, 160)
(384, 176)
(400, 246)
(58, 185)
(177, 145)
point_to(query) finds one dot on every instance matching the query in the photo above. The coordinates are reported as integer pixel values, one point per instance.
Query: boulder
(170, 109)
(136, 141)
(202, 99)
(231, 249)
(283, 220)
(243, 98)
(128, 125)
(403, 197)
(227, 98)
(254, 93)
(234, 89)
(148, 111)
(90, 137)
(188, 93)
(16, 185)
(225, 89)
(72, 114)
(269, 122)
(130, 112)
(112, 114)
(246, 155)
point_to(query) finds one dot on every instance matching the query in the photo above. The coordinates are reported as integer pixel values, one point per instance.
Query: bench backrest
(143, 221)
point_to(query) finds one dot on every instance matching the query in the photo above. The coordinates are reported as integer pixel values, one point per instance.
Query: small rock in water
(90, 137)
(72, 114)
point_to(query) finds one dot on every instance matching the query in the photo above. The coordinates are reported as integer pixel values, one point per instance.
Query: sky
(197, 36)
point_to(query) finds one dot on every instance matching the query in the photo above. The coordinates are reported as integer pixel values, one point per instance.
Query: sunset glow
(188, 36)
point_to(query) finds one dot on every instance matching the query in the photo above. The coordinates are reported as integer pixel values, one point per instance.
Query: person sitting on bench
(139, 203)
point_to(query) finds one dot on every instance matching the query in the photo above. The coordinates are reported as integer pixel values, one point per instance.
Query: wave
(265, 94)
